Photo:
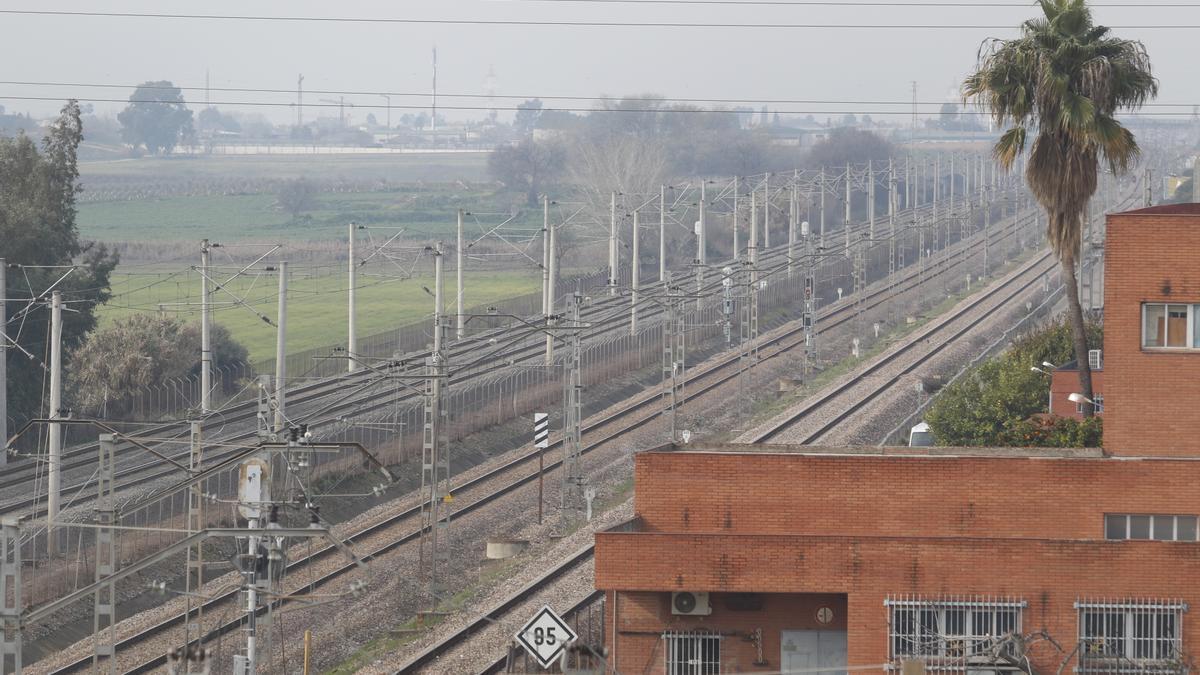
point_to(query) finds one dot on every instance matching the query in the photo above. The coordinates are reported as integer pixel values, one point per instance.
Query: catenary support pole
(459, 296)
(821, 187)
(612, 246)
(662, 234)
(551, 281)
(766, 240)
(734, 219)
(3, 364)
(351, 306)
(793, 216)
(54, 468)
(701, 228)
(281, 350)
(546, 257)
(634, 273)
(205, 331)
(871, 199)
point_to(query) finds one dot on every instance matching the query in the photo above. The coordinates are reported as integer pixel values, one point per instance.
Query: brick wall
(1049, 575)
(1150, 402)
(644, 616)
(790, 493)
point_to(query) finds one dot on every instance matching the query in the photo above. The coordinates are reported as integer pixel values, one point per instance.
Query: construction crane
(341, 104)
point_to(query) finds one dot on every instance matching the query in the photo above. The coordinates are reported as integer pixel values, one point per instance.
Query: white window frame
(956, 652)
(675, 640)
(1189, 340)
(1154, 519)
(1118, 654)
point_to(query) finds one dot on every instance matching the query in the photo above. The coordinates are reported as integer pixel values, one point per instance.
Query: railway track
(431, 653)
(137, 474)
(943, 332)
(1011, 287)
(942, 335)
(718, 371)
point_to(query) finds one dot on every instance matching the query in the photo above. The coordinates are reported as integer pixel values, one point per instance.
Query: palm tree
(1061, 83)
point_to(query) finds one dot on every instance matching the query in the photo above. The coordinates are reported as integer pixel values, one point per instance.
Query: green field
(395, 168)
(423, 212)
(316, 302)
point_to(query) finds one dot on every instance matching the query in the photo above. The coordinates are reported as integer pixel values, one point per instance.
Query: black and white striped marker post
(541, 441)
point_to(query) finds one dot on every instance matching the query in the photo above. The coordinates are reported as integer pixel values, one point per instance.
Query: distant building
(1064, 381)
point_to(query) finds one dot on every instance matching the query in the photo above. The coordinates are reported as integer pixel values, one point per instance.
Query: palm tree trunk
(1078, 330)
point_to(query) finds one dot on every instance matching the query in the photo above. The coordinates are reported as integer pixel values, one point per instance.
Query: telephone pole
(55, 464)
(352, 307)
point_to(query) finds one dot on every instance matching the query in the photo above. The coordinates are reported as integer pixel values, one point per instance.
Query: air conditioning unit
(686, 603)
(1094, 360)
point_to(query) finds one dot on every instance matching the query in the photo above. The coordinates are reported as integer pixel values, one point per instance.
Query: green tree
(527, 166)
(1063, 81)
(992, 405)
(849, 145)
(40, 242)
(297, 196)
(157, 117)
(527, 116)
(115, 363)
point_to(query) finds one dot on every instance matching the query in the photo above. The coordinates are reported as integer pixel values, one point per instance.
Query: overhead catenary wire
(522, 97)
(846, 3)
(536, 22)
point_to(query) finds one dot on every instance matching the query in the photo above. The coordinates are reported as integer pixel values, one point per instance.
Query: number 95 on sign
(545, 636)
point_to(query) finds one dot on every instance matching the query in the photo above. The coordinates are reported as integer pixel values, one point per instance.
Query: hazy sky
(737, 63)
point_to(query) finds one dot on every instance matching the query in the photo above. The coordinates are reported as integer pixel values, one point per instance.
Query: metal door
(814, 651)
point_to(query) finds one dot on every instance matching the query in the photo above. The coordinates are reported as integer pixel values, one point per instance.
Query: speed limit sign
(545, 636)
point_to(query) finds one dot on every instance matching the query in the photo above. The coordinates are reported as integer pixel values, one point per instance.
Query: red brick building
(777, 559)
(1152, 332)
(1064, 381)
(825, 557)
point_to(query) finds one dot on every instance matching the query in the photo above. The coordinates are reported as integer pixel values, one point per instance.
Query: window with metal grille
(951, 634)
(1150, 526)
(693, 653)
(1134, 636)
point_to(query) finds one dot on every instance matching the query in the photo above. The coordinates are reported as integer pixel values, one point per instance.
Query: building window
(1130, 637)
(1158, 527)
(950, 634)
(1170, 326)
(693, 653)
(1099, 399)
